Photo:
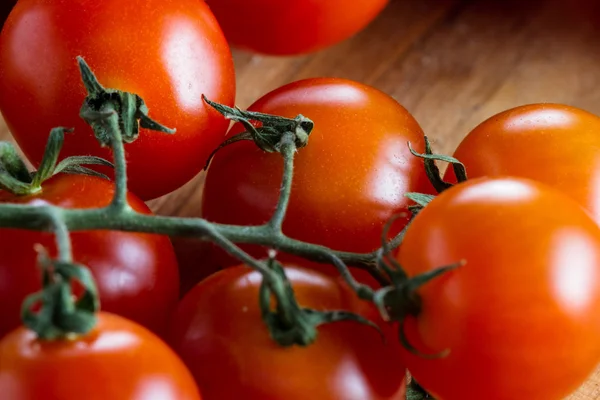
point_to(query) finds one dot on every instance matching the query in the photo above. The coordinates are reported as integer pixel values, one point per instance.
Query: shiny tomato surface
(168, 52)
(118, 360)
(136, 273)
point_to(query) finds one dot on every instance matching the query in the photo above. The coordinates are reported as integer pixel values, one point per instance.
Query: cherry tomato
(118, 360)
(348, 181)
(555, 144)
(168, 52)
(293, 26)
(520, 318)
(218, 331)
(136, 273)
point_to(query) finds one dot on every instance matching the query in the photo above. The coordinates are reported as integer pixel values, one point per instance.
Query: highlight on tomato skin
(292, 27)
(136, 274)
(168, 52)
(520, 317)
(118, 360)
(218, 331)
(348, 181)
(555, 144)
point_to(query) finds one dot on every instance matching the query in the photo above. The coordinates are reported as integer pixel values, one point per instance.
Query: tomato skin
(136, 274)
(218, 331)
(168, 52)
(554, 144)
(294, 26)
(118, 360)
(348, 181)
(520, 318)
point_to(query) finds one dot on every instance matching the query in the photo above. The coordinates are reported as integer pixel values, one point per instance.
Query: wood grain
(452, 63)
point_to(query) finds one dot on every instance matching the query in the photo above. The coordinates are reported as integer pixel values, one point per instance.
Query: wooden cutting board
(451, 63)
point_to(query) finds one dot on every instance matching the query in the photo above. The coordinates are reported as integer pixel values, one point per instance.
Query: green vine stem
(116, 118)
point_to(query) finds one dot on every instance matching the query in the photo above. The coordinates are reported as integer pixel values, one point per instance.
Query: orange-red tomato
(168, 52)
(136, 273)
(348, 181)
(118, 360)
(292, 26)
(218, 331)
(555, 144)
(520, 318)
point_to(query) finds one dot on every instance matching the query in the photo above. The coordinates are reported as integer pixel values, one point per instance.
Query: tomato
(520, 318)
(555, 144)
(168, 52)
(218, 331)
(348, 181)
(293, 26)
(118, 360)
(136, 273)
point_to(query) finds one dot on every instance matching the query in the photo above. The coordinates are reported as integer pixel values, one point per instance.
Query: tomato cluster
(493, 293)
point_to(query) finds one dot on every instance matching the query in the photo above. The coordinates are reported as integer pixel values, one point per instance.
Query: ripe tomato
(168, 52)
(520, 318)
(348, 181)
(136, 274)
(555, 144)
(293, 26)
(118, 360)
(218, 331)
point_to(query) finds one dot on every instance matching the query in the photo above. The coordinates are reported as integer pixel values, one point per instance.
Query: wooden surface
(452, 64)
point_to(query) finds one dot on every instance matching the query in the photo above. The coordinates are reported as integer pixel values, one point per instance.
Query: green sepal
(301, 325)
(414, 391)
(421, 200)
(101, 103)
(75, 165)
(12, 163)
(432, 170)
(50, 158)
(60, 315)
(267, 136)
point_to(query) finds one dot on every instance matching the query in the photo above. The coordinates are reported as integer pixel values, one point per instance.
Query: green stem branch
(287, 150)
(62, 235)
(20, 216)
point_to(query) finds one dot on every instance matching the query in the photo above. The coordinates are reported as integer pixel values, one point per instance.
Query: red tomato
(520, 318)
(551, 143)
(168, 52)
(218, 331)
(118, 360)
(136, 273)
(348, 181)
(292, 26)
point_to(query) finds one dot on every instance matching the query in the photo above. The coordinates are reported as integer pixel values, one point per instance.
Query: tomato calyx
(400, 298)
(268, 133)
(16, 178)
(101, 103)
(432, 170)
(289, 324)
(55, 312)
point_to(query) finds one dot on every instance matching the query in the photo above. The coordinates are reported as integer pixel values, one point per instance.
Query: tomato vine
(115, 117)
